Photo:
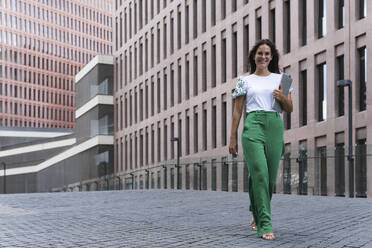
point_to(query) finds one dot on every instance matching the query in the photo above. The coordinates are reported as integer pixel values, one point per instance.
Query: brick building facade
(43, 44)
(176, 64)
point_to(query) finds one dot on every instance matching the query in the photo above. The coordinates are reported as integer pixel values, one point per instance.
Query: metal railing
(320, 172)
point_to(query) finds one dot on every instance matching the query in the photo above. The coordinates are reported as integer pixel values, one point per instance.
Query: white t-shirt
(258, 91)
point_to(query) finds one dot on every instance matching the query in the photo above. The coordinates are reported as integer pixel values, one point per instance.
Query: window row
(46, 31)
(26, 110)
(36, 95)
(320, 17)
(36, 78)
(128, 23)
(151, 48)
(10, 122)
(141, 58)
(321, 97)
(201, 128)
(15, 57)
(51, 16)
(77, 55)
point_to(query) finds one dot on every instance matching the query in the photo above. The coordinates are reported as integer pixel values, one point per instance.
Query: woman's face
(263, 57)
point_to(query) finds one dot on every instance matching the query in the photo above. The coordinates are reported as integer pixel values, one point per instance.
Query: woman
(262, 136)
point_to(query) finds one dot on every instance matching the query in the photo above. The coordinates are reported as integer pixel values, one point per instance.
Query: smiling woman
(262, 136)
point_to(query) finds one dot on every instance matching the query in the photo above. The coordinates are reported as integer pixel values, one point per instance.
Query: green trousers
(262, 141)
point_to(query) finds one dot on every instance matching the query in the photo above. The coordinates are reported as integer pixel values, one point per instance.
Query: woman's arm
(238, 109)
(286, 102)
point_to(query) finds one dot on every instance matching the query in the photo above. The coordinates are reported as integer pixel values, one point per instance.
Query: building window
(213, 13)
(158, 92)
(361, 166)
(130, 65)
(246, 44)
(187, 175)
(214, 123)
(187, 134)
(171, 85)
(258, 25)
(120, 31)
(223, 9)
(223, 56)
(287, 120)
(187, 8)
(171, 33)
(152, 7)
(272, 33)
(195, 129)
(152, 144)
(233, 5)
(179, 27)
(179, 133)
(204, 15)
(340, 90)
(165, 89)
(146, 100)
(130, 21)
(340, 168)
(362, 64)
(159, 142)
(140, 14)
(340, 14)
(140, 58)
(121, 113)
(287, 169)
(214, 62)
(117, 34)
(125, 68)
(165, 141)
(179, 77)
(195, 73)
(362, 8)
(321, 20)
(287, 26)
(135, 18)
(152, 47)
(152, 96)
(205, 127)
(322, 91)
(204, 69)
(234, 51)
(130, 108)
(195, 18)
(322, 170)
(187, 77)
(303, 98)
(303, 22)
(224, 120)
(165, 38)
(158, 44)
(172, 135)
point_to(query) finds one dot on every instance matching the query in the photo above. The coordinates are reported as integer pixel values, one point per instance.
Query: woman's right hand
(233, 147)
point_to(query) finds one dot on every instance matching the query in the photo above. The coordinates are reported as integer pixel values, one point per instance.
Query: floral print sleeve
(240, 88)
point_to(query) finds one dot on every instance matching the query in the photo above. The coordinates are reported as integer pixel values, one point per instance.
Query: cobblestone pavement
(165, 218)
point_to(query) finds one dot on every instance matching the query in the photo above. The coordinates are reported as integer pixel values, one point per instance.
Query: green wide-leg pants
(262, 141)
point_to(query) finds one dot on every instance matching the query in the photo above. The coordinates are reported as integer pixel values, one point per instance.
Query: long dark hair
(274, 63)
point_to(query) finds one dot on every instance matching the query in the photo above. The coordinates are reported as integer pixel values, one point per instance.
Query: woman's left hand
(285, 102)
(278, 94)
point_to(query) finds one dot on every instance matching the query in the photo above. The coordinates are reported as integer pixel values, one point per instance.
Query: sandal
(253, 225)
(268, 236)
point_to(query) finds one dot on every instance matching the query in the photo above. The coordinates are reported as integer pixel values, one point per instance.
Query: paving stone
(170, 218)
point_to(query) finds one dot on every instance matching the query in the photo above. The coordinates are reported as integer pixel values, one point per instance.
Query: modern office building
(43, 44)
(41, 159)
(176, 65)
